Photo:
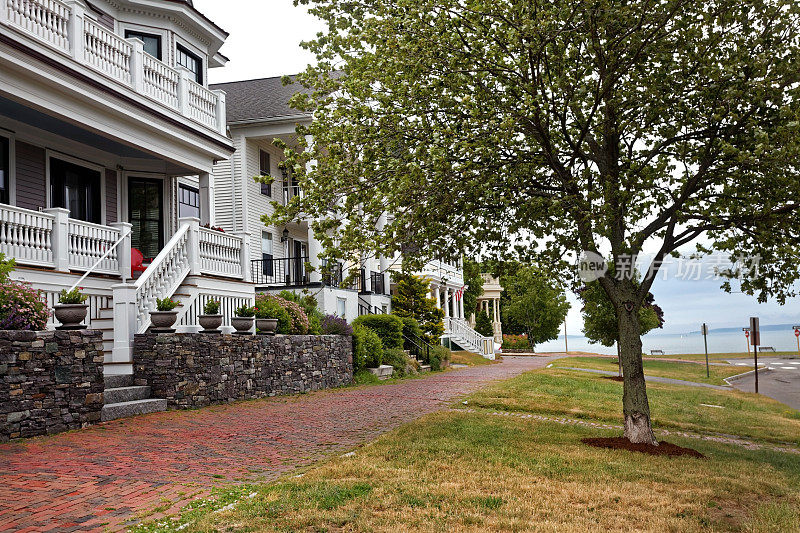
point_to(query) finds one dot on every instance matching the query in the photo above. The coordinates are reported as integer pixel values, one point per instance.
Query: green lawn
(688, 371)
(719, 356)
(473, 471)
(469, 358)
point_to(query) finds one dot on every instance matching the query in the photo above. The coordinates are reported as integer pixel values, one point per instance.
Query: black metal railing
(418, 347)
(377, 280)
(280, 272)
(333, 276)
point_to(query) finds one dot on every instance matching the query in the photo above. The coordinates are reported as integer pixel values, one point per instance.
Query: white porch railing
(64, 27)
(88, 243)
(26, 235)
(461, 332)
(220, 253)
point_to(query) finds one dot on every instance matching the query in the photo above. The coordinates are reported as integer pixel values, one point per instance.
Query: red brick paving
(102, 477)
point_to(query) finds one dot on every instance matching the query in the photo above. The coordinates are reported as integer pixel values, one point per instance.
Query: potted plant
(243, 321)
(71, 309)
(266, 320)
(164, 316)
(210, 320)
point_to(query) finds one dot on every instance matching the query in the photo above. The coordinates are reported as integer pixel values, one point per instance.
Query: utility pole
(705, 342)
(755, 339)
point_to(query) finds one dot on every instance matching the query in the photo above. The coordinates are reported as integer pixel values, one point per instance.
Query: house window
(190, 62)
(264, 166)
(75, 188)
(341, 307)
(5, 169)
(152, 43)
(267, 266)
(188, 201)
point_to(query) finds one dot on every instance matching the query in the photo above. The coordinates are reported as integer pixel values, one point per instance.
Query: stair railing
(126, 236)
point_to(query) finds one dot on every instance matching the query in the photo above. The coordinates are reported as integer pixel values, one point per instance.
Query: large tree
(552, 127)
(537, 304)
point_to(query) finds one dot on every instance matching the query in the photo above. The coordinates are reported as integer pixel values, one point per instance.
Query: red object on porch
(136, 261)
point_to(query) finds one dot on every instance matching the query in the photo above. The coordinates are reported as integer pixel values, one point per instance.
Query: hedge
(388, 327)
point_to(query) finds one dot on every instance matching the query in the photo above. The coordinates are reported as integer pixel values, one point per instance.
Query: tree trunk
(638, 428)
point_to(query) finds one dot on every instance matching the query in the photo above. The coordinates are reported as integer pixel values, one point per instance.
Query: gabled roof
(262, 99)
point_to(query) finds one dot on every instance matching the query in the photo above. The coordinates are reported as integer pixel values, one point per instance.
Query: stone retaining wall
(194, 369)
(50, 381)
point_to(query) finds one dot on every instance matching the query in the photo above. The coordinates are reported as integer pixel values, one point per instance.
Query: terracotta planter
(242, 324)
(71, 316)
(267, 326)
(210, 323)
(162, 321)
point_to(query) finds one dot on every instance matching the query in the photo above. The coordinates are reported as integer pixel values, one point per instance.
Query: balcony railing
(65, 28)
(282, 272)
(290, 192)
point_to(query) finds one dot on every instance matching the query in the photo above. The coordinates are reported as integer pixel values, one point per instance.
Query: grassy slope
(469, 358)
(665, 369)
(477, 472)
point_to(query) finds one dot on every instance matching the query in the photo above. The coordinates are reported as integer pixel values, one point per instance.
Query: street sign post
(705, 342)
(797, 336)
(755, 339)
(747, 339)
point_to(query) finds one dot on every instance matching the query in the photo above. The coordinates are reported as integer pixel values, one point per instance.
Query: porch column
(75, 30)
(194, 243)
(60, 237)
(207, 199)
(124, 250)
(124, 298)
(314, 250)
(497, 310)
(438, 292)
(446, 302)
(461, 307)
(244, 257)
(383, 261)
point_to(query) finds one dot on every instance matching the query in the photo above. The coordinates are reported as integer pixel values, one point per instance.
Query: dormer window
(152, 43)
(190, 62)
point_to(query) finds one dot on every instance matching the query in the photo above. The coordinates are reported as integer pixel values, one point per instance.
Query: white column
(222, 115)
(137, 65)
(438, 292)
(124, 297)
(314, 251)
(446, 302)
(60, 237)
(245, 258)
(76, 40)
(461, 308)
(194, 243)
(183, 90)
(207, 199)
(124, 250)
(497, 310)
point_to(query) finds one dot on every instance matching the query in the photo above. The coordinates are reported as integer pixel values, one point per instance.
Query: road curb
(740, 376)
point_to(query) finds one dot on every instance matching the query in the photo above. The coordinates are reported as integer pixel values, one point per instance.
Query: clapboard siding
(31, 192)
(259, 204)
(223, 195)
(111, 196)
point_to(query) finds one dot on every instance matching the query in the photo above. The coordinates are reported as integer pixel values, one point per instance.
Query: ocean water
(718, 342)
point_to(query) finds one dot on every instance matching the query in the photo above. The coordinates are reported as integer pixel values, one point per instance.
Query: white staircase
(458, 331)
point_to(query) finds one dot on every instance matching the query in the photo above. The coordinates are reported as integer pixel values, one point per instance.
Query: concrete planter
(267, 326)
(210, 323)
(71, 316)
(163, 321)
(242, 324)
(382, 372)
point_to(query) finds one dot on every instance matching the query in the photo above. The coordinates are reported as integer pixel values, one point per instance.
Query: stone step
(126, 394)
(383, 371)
(115, 411)
(424, 368)
(121, 380)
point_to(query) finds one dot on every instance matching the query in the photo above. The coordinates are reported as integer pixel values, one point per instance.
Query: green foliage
(245, 311)
(600, 324)
(388, 327)
(397, 359)
(162, 304)
(537, 304)
(75, 296)
(365, 377)
(211, 307)
(440, 357)
(483, 324)
(6, 267)
(367, 348)
(310, 307)
(474, 282)
(411, 301)
(21, 307)
(271, 308)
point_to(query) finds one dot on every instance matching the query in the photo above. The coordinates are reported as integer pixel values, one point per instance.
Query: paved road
(781, 381)
(103, 476)
(655, 379)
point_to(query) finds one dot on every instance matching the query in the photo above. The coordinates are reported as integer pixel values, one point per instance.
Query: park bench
(766, 349)
(656, 352)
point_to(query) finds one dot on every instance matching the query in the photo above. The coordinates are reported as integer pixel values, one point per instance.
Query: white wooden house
(108, 137)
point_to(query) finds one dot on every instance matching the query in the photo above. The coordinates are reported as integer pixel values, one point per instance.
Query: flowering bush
(334, 325)
(516, 342)
(298, 320)
(270, 308)
(22, 307)
(166, 304)
(245, 311)
(211, 307)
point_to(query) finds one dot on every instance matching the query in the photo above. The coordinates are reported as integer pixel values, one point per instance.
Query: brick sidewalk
(104, 476)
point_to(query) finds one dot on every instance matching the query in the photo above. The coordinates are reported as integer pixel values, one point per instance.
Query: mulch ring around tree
(615, 378)
(663, 448)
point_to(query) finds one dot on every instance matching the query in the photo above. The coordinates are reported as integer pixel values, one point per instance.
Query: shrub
(271, 308)
(365, 377)
(516, 342)
(388, 327)
(166, 304)
(440, 358)
(75, 296)
(334, 325)
(245, 311)
(298, 320)
(315, 324)
(367, 348)
(483, 324)
(412, 335)
(21, 307)
(398, 359)
(211, 307)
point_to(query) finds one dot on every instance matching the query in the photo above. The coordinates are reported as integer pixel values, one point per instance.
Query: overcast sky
(264, 41)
